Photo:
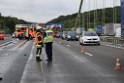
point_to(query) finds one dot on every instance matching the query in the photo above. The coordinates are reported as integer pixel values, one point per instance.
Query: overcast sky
(45, 10)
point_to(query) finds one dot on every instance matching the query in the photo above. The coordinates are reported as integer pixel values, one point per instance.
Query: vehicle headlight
(98, 39)
(69, 36)
(77, 36)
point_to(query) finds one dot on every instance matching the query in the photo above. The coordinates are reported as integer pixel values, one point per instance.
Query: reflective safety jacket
(39, 43)
(49, 36)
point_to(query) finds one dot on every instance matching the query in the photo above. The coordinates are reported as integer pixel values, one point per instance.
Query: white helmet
(38, 27)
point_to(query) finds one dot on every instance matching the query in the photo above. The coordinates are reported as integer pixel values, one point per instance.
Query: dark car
(64, 34)
(59, 35)
(72, 35)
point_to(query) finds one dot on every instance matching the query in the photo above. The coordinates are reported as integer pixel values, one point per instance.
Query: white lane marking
(26, 67)
(31, 54)
(68, 45)
(89, 54)
(71, 53)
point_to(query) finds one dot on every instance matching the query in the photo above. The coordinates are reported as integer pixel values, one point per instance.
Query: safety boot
(38, 59)
(49, 60)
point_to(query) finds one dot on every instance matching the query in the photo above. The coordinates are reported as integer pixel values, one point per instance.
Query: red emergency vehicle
(22, 31)
(2, 35)
(56, 29)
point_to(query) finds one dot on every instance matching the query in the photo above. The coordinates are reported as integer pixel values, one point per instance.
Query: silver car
(89, 38)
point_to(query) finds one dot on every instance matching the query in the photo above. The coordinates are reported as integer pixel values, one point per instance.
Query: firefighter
(48, 40)
(39, 41)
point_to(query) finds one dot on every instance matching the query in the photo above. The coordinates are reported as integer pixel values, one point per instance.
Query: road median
(4, 44)
(22, 44)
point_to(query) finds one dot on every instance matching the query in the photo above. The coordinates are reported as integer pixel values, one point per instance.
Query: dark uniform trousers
(38, 51)
(48, 48)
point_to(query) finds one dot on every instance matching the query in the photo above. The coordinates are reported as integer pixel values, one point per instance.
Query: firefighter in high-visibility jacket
(39, 41)
(48, 40)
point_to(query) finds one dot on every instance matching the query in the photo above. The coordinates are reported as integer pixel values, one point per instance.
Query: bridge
(72, 62)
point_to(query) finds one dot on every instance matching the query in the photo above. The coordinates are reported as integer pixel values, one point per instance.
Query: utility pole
(78, 16)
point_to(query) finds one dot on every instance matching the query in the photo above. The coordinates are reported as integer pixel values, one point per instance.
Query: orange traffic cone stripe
(118, 64)
(82, 50)
(61, 42)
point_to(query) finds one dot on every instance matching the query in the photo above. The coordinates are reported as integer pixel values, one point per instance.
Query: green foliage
(8, 23)
(69, 20)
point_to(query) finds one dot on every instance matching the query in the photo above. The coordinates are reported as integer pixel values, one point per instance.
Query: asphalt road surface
(96, 65)
(7, 39)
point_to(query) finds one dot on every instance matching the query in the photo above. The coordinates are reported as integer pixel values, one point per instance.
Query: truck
(118, 32)
(56, 28)
(32, 30)
(110, 28)
(99, 30)
(90, 29)
(22, 31)
(79, 30)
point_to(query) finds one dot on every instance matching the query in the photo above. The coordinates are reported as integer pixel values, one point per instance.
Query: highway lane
(7, 39)
(18, 65)
(103, 54)
(71, 66)
(13, 60)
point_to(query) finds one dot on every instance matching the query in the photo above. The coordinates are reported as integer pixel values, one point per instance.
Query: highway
(96, 65)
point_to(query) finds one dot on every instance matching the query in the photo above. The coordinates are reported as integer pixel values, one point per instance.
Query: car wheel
(98, 44)
(80, 43)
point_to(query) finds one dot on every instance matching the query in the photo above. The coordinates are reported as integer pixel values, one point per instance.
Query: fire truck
(25, 31)
(22, 31)
(2, 35)
(32, 30)
(56, 29)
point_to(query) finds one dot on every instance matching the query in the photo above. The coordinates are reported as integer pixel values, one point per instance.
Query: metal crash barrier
(113, 40)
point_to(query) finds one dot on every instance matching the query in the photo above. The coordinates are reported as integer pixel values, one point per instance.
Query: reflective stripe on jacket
(49, 36)
(38, 43)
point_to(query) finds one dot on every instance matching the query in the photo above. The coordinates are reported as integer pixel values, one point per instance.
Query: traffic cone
(118, 64)
(82, 50)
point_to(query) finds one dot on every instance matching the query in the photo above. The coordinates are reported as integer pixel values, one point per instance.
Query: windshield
(72, 33)
(56, 29)
(90, 34)
(65, 32)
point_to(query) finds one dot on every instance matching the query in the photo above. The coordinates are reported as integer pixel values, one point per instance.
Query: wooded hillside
(69, 20)
(8, 23)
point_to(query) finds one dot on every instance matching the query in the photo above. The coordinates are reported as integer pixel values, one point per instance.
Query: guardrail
(113, 40)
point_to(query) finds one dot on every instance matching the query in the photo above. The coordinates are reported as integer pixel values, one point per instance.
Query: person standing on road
(39, 41)
(48, 40)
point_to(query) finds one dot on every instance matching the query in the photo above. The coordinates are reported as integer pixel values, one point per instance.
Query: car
(59, 34)
(72, 35)
(89, 38)
(64, 34)
(2, 35)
